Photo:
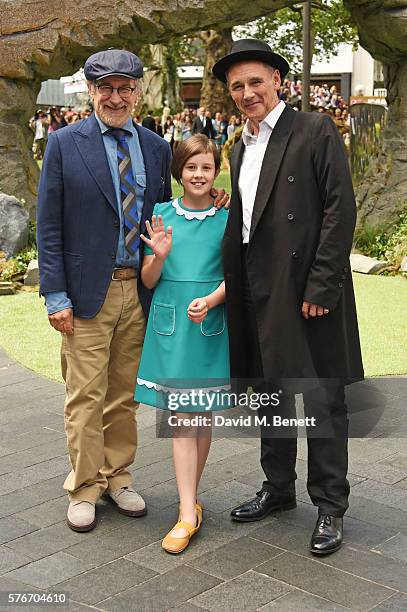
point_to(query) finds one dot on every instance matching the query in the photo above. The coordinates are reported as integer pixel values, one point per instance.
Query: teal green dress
(180, 356)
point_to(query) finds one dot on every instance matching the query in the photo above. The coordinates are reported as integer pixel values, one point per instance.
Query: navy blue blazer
(77, 217)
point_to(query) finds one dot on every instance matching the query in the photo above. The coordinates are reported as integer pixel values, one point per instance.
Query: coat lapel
(271, 163)
(153, 163)
(89, 141)
(235, 220)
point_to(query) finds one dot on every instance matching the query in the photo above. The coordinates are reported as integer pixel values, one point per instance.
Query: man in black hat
(290, 303)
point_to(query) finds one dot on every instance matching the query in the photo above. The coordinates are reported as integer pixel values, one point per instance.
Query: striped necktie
(127, 192)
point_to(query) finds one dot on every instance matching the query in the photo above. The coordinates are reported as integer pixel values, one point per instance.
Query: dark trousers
(327, 484)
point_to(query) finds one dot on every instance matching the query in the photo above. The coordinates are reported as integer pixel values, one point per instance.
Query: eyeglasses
(124, 91)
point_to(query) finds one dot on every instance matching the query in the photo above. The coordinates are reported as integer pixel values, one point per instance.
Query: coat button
(346, 269)
(116, 223)
(290, 179)
(294, 255)
(290, 217)
(113, 255)
(340, 285)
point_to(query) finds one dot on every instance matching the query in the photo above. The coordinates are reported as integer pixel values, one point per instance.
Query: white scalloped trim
(189, 214)
(157, 387)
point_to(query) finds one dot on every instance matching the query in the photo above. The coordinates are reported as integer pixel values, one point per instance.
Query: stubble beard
(114, 120)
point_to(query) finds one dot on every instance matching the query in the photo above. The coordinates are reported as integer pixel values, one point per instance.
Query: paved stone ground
(228, 566)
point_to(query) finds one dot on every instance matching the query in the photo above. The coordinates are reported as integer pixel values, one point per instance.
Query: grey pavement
(228, 566)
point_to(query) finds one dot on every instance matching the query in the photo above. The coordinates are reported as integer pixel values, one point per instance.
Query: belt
(123, 274)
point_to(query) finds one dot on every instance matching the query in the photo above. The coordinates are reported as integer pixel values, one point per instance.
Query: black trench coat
(300, 240)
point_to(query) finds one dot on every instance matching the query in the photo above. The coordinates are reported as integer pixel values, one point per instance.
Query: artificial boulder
(51, 38)
(32, 276)
(366, 265)
(382, 27)
(13, 225)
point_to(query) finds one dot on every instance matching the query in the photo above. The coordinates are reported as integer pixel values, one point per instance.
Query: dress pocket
(214, 322)
(163, 319)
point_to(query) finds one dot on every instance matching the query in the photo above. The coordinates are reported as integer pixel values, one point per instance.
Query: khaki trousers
(99, 365)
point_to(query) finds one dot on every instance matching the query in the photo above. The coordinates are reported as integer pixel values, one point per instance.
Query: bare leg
(204, 444)
(185, 454)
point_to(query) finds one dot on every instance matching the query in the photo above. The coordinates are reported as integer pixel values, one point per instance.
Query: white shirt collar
(265, 126)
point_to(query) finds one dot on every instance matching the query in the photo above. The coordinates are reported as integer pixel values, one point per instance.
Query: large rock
(13, 225)
(32, 276)
(382, 27)
(366, 265)
(6, 288)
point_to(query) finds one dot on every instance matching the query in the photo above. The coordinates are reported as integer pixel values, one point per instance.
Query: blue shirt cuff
(56, 301)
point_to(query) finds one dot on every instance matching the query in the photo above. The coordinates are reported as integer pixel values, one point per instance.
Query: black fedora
(250, 49)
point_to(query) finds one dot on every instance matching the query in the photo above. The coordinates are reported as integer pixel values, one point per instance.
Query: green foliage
(18, 264)
(390, 244)
(32, 234)
(186, 49)
(331, 25)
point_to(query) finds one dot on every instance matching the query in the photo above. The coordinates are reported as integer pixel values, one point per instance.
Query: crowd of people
(44, 122)
(175, 128)
(220, 127)
(323, 99)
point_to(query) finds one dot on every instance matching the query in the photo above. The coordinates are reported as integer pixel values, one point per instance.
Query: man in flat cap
(290, 303)
(99, 182)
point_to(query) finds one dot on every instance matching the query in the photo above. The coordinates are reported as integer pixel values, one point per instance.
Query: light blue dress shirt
(58, 300)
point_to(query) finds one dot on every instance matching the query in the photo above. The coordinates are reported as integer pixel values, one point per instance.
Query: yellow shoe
(176, 545)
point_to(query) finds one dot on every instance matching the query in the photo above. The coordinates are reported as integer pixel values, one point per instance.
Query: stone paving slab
(228, 562)
(31, 456)
(10, 560)
(31, 496)
(106, 581)
(228, 566)
(162, 592)
(369, 564)
(249, 591)
(377, 513)
(395, 547)
(38, 436)
(296, 600)
(50, 570)
(12, 527)
(395, 603)
(379, 492)
(317, 578)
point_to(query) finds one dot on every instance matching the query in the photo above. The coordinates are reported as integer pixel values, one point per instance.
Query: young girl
(186, 343)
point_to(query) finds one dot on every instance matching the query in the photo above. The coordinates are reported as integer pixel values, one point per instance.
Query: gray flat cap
(113, 62)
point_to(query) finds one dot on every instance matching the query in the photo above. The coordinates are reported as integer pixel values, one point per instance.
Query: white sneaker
(128, 501)
(81, 516)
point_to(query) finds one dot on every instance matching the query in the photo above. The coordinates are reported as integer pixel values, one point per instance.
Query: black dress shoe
(261, 506)
(327, 536)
